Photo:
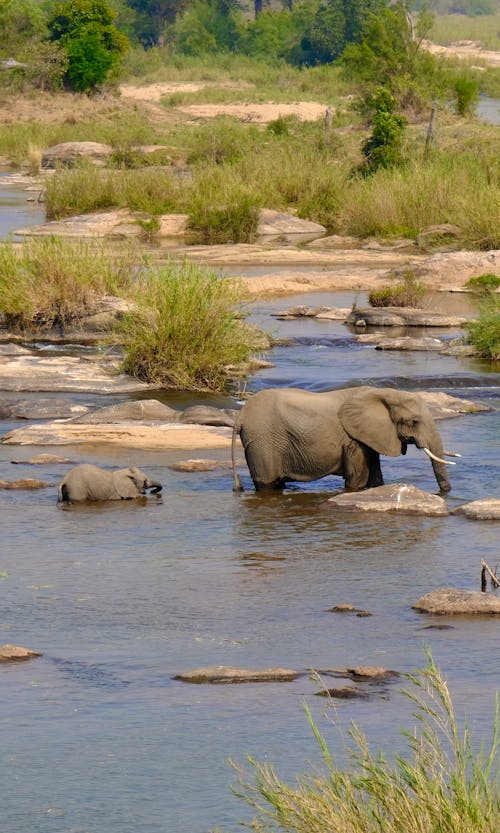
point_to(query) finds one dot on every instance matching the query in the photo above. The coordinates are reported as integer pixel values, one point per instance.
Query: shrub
(407, 293)
(55, 282)
(484, 284)
(466, 91)
(383, 148)
(185, 331)
(484, 333)
(441, 785)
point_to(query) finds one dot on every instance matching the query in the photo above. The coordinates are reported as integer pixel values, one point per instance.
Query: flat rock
(286, 227)
(65, 373)
(25, 483)
(487, 509)
(207, 415)
(346, 692)
(42, 460)
(443, 236)
(444, 406)
(425, 344)
(202, 464)
(453, 601)
(453, 269)
(396, 497)
(14, 653)
(402, 316)
(125, 434)
(228, 674)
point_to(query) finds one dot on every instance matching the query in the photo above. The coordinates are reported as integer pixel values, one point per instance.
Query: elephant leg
(375, 472)
(356, 468)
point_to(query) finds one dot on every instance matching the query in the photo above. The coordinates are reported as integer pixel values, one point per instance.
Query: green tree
(153, 17)
(382, 149)
(21, 23)
(209, 26)
(337, 23)
(86, 30)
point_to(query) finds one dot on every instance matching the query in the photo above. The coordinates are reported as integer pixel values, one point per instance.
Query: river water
(97, 736)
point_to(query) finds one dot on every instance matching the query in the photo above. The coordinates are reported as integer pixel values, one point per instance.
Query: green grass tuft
(484, 333)
(441, 786)
(186, 329)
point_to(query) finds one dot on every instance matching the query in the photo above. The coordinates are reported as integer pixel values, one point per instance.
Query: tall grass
(484, 332)
(186, 329)
(55, 282)
(441, 786)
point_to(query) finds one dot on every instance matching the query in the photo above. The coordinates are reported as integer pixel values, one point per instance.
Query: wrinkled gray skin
(90, 483)
(290, 434)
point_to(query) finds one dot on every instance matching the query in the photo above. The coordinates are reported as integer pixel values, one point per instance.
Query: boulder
(453, 269)
(207, 415)
(449, 600)
(40, 409)
(445, 237)
(228, 674)
(277, 225)
(487, 509)
(145, 410)
(396, 497)
(14, 653)
(67, 154)
(335, 241)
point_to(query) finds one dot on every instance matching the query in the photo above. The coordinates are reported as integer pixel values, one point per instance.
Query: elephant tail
(62, 493)
(237, 484)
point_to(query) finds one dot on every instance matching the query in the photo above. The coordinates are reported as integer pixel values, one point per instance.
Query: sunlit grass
(440, 786)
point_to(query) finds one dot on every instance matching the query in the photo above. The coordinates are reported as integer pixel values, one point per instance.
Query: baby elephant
(87, 482)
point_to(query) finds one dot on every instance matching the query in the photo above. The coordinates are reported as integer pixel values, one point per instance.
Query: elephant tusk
(451, 454)
(437, 459)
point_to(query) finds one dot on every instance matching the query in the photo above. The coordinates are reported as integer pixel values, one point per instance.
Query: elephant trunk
(434, 450)
(154, 486)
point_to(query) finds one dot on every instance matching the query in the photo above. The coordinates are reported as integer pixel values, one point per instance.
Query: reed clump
(186, 328)
(53, 282)
(484, 332)
(407, 291)
(441, 786)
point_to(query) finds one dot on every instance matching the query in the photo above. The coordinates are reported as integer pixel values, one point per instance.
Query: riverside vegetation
(443, 784)
(328, 173)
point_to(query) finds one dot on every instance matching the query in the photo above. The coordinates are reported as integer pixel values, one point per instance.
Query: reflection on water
(98, 737)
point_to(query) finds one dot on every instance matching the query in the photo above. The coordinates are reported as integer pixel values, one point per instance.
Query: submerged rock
(42, 459)
(487, 509)
(227, 674)
(426, 343)
(345, 608)
(14, 653)
(396, 497)
(202, 465)
(346, 692)
(26, 483)
(449, 600)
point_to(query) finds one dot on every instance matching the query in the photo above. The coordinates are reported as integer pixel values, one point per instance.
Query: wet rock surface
(450, 600)
(227, 674)
(401, 498)
(15, 653)
(487, 509)
(40, 409)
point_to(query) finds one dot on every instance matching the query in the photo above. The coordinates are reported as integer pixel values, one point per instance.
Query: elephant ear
(366, 417)
(125, 484)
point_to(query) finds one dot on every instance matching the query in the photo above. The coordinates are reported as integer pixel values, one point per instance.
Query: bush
(484, 333)
(185, 331)
(407, 293)
(441, 785)
(383, 148)
(466, 91)
(484, 284)
(56, 282)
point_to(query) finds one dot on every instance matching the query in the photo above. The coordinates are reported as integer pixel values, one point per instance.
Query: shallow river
(97, 736)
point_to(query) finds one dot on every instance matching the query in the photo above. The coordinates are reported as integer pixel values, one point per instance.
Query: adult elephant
(290, 434)
(90, 483)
